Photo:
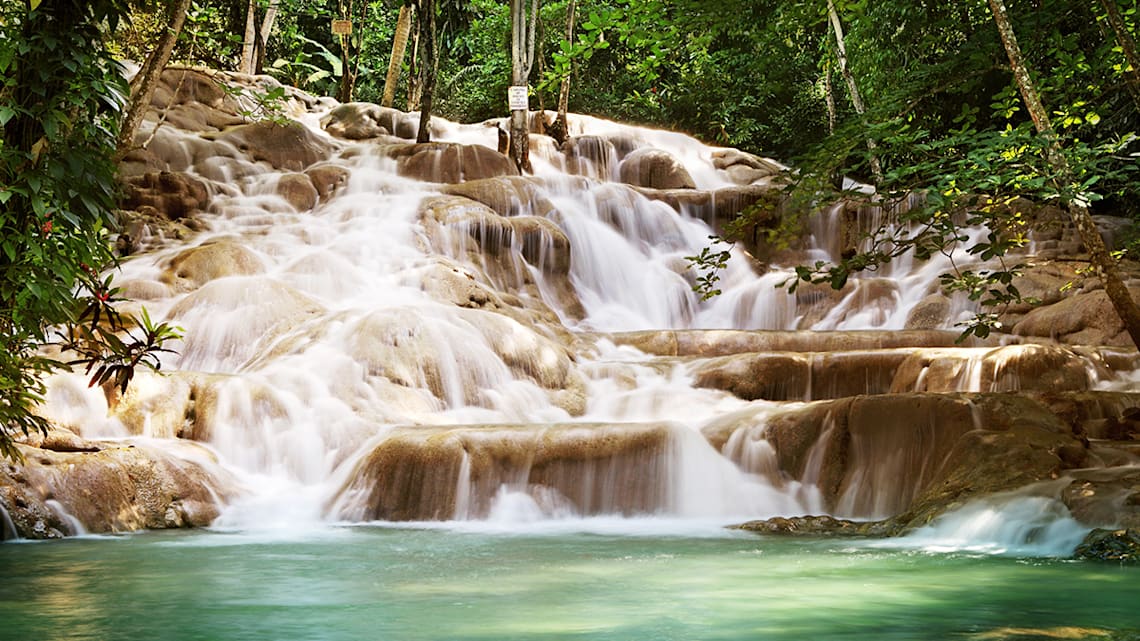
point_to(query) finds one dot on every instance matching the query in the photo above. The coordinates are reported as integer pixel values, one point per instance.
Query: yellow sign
(342, 27)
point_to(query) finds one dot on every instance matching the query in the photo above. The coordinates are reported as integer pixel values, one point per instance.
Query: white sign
(517, 97)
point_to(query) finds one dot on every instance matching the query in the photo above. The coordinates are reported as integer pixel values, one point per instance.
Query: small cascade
(8, 529)
(1019, 524)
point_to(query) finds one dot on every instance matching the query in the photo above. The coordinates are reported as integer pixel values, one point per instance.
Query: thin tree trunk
(263, 35)
(1098, 253)
(856, 97)
(351, 46)
(145, 82)
(399, 44)
(249, 40)
(413, 103)
(829, 97)
(522, 57)
(427, 69)
(1127, 46)
(560, 130)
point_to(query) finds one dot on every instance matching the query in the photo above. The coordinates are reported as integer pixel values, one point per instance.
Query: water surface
(597, 582)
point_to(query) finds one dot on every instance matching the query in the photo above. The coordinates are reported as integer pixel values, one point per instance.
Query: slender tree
(427, 69)
(560, 130)
(523, 25)
(351, 46)
(249, 39)
(852, 86)
(1127, 47)
(399, 45)
(1104, 263)
(146, 80)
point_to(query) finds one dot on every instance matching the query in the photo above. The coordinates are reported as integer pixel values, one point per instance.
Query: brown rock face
(1082, 319)
(357, 121)
(119, 488)
(290, 147)
(191, 268)
(298, 191)
(327, 179)
(449, 162)
(910, 456)
(655, 169)
(592, 156)
(433, 473)
(173, 195)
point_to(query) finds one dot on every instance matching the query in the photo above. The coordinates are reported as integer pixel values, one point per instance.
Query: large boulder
(592, 156)
(1086, 318)
(112, 487)
(193, 267)
(448, 162)
(440, 473)
(1118, 546)
(357, 121)
(655, 169)
(290, 146)
(910, 457)
(173, 195)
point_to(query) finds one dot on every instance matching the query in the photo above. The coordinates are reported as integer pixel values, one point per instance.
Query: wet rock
(502, 248)
(655, 169)
(298, 191)
(438, 473)
(1086, 318)
(723, 342)
(460, 363)
(290, 147)
(792, 376)
(507, 195)
(194, 100)
(358, 121)
(930, 313)
(191, 268)
(910, 457)
(119, 488)
(173, 195)
(1121, 546)
(448, 162)
(591, 156)
(817, 526)
(1045, 368)
(1106, 497)
(327, 179)
(258, 310)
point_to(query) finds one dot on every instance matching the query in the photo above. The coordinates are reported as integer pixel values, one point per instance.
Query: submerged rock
(1122, 546)
(817, 526)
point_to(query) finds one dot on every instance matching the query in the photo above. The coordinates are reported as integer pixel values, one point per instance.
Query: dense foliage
(59, 104)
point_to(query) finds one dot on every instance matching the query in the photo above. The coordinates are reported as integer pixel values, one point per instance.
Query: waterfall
(377, 345)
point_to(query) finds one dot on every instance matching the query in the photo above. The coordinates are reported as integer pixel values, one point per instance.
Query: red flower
(46, 228)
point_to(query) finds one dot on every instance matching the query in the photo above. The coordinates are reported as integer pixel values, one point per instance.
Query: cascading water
(397, 320)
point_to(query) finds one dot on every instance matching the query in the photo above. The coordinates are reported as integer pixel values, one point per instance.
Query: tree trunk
(522, 58)
(399, 44)
(144, 83)
(560, 130)
(351, 46)
(856, 97)
(1101, 259)
(829, 97)
(249, 40)
(427, 69)
(263, 35)
(413, 102)
(1127, 46)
